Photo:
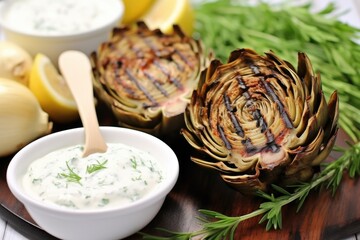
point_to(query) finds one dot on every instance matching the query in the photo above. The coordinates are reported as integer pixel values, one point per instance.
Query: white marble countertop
(352, 17)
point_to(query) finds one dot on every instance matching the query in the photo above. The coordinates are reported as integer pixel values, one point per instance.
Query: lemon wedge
(134, 10)
(164, 14)
(51, 91)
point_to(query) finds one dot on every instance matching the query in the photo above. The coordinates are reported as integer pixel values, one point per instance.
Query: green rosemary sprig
(71, 176)
(216, 226)
(96, 167)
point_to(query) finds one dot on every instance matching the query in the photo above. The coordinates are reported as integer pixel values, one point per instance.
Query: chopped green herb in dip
(121, 175)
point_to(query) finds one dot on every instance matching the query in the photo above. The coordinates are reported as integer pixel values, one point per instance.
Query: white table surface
(351, 17)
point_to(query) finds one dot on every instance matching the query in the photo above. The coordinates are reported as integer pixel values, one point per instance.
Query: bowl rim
(7, 27)
(160, 191)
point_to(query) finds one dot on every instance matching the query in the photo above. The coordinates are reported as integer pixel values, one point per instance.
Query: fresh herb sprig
(215, 225)
(96, 166)
(76, 178)
(71, 176)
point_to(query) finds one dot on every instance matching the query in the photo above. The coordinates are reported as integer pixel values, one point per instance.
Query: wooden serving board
(322, 216)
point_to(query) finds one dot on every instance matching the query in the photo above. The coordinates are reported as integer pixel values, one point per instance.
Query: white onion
(21, 118)
(15, 62)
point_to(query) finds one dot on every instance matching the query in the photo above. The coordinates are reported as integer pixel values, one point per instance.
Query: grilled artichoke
(147, 77)
(259, 121)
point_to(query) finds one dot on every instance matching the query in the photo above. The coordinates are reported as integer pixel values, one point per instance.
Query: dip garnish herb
(96, 167)
(71, 176)
(133, 162)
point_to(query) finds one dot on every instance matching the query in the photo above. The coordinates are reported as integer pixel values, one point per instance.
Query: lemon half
(52, 91)
(164, 14)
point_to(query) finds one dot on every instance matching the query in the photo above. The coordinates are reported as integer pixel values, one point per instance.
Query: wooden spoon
(76, 70)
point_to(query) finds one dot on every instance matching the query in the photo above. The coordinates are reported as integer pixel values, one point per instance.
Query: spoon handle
(76, 70)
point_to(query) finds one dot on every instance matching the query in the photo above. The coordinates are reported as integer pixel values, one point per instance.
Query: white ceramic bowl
(86, 41)
(112, 223)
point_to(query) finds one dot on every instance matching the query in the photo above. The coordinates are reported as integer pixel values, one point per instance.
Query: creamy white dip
(54, 17)
(120, 176)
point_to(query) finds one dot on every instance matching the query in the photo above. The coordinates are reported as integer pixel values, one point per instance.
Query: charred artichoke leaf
(147, 77)
(258, 121)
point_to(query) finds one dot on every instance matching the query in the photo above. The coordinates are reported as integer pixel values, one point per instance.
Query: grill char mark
(175, 81)
(156, 84)
(245, 89)
(157, 52)
(141, 88)
(223, 137)
(183, 58)
(260, 120)
(270, 139)
(234, 120)
(273, 95)
(164, 54)
(139, 53)
(117, 76)
(250, 148)
(241, 83)
(119, 81)
(152, 46)
(280, 105)
(271, 144)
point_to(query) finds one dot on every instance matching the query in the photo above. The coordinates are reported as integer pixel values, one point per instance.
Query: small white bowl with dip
(51, 27)
(112, 222)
